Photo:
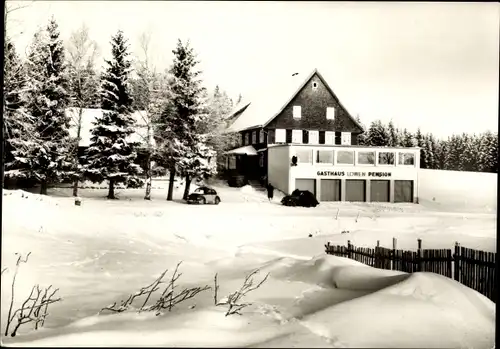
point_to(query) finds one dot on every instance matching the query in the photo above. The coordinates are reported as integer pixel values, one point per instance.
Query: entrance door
(379, 191)
(355, 190)
(403, 191)
(330, 190)
(306, 184)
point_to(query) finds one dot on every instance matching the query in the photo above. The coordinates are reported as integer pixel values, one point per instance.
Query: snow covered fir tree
(46, 156)
(111, 155)
(182, 147)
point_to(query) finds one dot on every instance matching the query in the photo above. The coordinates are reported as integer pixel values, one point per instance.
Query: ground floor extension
(346, 173)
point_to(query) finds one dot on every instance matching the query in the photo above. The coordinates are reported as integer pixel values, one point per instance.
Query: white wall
(278, 162)
(458, 189)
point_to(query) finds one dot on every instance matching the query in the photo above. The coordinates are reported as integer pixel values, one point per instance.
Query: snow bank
(102, 251)
(328, 300)
(457, 190)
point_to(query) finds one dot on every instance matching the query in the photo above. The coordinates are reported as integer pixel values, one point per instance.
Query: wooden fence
(473, 268)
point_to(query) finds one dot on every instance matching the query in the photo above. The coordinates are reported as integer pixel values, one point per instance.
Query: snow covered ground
(102, 251)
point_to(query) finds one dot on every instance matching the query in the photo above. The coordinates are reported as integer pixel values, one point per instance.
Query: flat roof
(341, 146)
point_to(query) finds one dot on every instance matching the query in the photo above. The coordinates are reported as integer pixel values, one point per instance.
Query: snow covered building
(296, 134)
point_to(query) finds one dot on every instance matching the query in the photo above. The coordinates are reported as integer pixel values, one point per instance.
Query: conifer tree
(488, 152)
(422, 144)
(17, 126)
(393, 135)
(408, 139)
(178, 134)
(49, 158)
(361, 136)
(111, 155)
(378, 135)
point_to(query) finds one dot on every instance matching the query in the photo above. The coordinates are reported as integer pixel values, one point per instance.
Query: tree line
(181, 122)
(463, 152)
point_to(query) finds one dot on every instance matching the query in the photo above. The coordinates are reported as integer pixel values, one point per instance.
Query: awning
(248, 150)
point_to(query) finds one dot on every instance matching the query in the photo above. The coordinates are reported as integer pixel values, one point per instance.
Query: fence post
(349, 249)
(394, 246)
(419, 255)
(456, 262)
(377, 262)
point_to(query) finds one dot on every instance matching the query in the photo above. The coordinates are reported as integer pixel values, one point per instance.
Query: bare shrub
(167, 300)
(34, 308)
(234, 300)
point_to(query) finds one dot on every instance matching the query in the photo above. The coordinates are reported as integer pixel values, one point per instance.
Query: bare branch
(233, 301)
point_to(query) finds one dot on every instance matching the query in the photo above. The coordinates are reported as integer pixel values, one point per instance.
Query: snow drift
(102, 251)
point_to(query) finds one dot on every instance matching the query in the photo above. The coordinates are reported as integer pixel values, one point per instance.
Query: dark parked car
(203, 195)
(302, 198)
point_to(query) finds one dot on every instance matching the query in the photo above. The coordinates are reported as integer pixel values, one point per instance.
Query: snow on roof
(248, 150)
(88, 117)
(268, 101)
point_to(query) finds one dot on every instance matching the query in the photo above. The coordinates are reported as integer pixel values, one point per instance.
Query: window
(280, 135)
(366, 158)
(297, 111)
(261, 136)
(321, 137)
(315, 85)
(406, 159)
(305, 136)
(313, 137)
(324, 157)
(346, 138)
(261, 160)
(330, 113)
(337, 138)
(232, 162)
(329, 137)
(247, 139)
(385, 158)
(345, 157)
(254, 137)
(297, 136)
(304, 156)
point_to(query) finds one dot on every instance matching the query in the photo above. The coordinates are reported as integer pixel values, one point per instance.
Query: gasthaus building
(296, 134)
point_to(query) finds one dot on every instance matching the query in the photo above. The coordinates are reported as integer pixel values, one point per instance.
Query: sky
(428, 65)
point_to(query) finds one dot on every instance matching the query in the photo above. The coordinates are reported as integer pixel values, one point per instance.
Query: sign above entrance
(354, 174)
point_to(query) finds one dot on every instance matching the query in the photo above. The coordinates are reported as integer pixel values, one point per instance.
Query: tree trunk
(186, 188)
(78, 138)
(111, 192)
(43, 187)
(171, 183)
(148, 178)
(75, 188)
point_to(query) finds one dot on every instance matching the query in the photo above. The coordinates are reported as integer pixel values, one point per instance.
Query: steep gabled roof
(90, 115)
(269, 102)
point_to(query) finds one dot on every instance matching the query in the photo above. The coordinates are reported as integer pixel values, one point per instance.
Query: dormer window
(314, 85)
(297, 111)
(330, 113)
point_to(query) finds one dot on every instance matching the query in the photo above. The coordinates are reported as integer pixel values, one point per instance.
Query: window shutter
(313, 137)
(329, 137)
(280, 135)
(321, 137)
(346, 138)
(296, 136)
(338, 138)
(305, 137)
(288, 136)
